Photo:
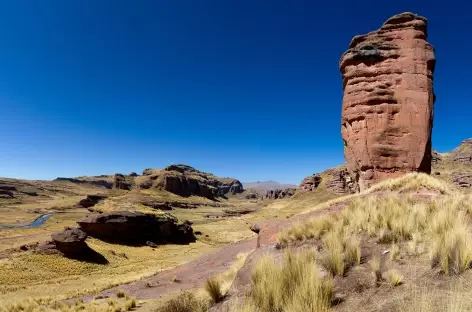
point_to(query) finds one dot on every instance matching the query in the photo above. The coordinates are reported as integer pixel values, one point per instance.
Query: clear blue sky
(243, 88)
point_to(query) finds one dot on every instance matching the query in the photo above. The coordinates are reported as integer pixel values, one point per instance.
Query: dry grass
(443, 226)
(375, 266)
(295, 285)
(411, 182)
(333, 259)
(51, 305)
(213, 288)
(185, 302)
(130, 304)
(394, 277)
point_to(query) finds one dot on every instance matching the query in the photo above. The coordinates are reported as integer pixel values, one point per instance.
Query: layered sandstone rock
(336, 180)
(279, 194)
(137, 228)
(123, 182)
(185, 181)
(463, 153)
(387, 111)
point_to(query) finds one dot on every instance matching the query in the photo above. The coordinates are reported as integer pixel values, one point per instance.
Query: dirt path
(194, 273)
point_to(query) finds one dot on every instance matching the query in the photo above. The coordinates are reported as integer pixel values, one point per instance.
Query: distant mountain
(266, 185)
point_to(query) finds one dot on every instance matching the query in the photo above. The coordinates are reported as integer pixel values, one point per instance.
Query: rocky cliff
(387, 111)
(184, 180)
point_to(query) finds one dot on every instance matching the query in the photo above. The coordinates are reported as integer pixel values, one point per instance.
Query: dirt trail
(194, 273)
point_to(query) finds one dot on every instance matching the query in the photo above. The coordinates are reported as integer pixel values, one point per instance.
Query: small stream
(36, 223)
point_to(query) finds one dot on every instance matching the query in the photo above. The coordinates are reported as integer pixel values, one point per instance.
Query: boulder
(279, 194)
(91, 201)
(388, 78)
(70, 241)
(134, 227)
(133, 174)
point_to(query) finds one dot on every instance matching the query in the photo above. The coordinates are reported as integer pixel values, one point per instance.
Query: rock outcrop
(463, 153)
(101, 181)
(70, 241)
(123, 182)
(462, 179)
(336, 180)
(279, 194)
(185, 181)
(91, 201)
(132, 227)
(310, 183)
(387, 112)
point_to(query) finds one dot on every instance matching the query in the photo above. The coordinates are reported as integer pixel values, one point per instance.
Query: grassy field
(28, 274)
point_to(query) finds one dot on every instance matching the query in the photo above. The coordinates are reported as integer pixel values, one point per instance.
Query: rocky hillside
(267, 185)
(185, 181)
(455, 166)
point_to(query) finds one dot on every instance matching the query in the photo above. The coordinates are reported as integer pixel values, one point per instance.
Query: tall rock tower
(387, 111)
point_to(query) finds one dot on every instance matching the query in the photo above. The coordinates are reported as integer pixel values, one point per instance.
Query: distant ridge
(266, 185)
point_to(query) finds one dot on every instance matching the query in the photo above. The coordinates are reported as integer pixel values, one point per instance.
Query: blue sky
(243, 88)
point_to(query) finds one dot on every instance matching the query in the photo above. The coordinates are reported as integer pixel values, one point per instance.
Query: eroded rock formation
(463, 153)
(70, 241)
(387, 111)
(336, 180)
(137, 228)
(279, 194)
(185, 181)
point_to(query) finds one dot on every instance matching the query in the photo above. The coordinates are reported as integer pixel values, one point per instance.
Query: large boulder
(70, 241)
(137, 228)
(91, 200)
(387, 111)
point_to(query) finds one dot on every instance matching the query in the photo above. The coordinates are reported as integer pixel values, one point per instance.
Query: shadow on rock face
(88, 255)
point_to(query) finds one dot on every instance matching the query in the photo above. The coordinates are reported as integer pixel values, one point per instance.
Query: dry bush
(185, 302)
(295, 285)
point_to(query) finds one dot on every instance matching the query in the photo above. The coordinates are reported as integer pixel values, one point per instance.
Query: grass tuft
(213, 287)
(394, 277)
(295, 285)
(185, 302)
